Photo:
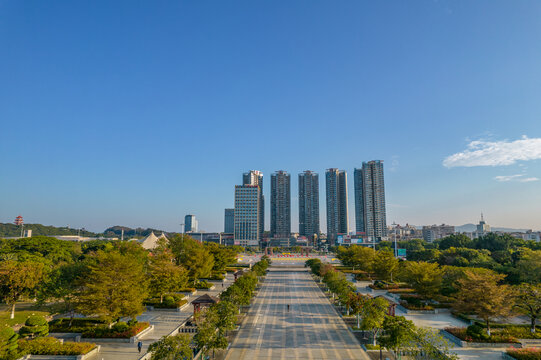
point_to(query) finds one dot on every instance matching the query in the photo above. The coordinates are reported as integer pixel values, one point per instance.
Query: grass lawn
(20, 316)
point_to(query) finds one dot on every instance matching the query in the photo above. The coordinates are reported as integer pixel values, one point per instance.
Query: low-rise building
(435, 232)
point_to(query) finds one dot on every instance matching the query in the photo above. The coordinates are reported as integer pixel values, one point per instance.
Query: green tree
(19, 279)
(172, 348)
(193, 256)
(529, 266)
(373, 313)
(456, 241)
(208, 337)
(398, 333)
(223, 256)
(165, 276)
(425, 278)
(481, 294)
(116, 286)
(226, 313)
(429, 344)
(528, 302)
(385, 265)
(354, 303)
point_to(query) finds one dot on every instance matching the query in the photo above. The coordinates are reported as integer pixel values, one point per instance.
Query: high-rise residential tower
(247, 215)
(370, 215)
(255, 177)
(190, 224)
(309, 204)
(229, 221)
(337, 203)
(280, 226)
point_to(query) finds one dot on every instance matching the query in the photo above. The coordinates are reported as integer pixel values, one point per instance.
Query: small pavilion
(204, 301)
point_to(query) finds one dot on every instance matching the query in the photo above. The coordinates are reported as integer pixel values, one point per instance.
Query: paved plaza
(311, 329)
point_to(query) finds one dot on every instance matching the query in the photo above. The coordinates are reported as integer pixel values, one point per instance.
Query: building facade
(337, 204)
(435, 232)
(280, 205)
(309, 204)
(370, 209)
(255, 178)
(229, 221)
(247, 215)
(190, 224)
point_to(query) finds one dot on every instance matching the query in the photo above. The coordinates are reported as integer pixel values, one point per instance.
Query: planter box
(131, 340)
(463, 343)
(179, 309)
(89, 354)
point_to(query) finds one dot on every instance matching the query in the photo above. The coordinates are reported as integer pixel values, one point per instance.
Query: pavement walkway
(311, 329)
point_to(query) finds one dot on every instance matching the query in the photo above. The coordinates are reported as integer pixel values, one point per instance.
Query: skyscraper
(308, 204)
(255, 177)
(337, 203)
(370, 215)
(229, 221)
(246, 215)
(280, 205)
(190, 224)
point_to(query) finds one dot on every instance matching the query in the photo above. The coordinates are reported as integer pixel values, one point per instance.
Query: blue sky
(139, 112)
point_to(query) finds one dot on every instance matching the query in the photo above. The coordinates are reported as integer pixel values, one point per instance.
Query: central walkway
(310, 330)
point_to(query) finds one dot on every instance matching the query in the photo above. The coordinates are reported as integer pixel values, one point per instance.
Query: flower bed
(52, 346)
(496, 337)
(120, 330)
(78, 325)
(414, 307)
(525, 354)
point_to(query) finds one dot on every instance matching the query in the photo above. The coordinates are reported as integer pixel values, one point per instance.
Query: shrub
(122, 331)
(52, 346)
(8, 342)
(78, 325)
(34, 326)
(476, 332)
(525, 354)
(495, 337)
(203, 285)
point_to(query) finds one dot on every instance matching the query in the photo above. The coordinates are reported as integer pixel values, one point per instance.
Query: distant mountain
(473, 228)
(12, 230)
(116, 231)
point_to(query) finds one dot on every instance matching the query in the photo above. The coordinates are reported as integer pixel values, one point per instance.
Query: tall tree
(398, 333)
(529, 266)
(172, 348)
(223, 256)
(165, 275)
(528, 302)
(425, 278)
(116, 286)
(373, 313)
(385, 265)
(481, 294)
(18, 279)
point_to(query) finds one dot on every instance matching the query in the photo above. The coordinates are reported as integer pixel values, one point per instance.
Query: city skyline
(94, 122)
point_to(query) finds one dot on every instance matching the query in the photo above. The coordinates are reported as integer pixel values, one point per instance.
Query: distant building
(247, 215)
(280, 205)
(309, 204)
(255, 177)
(404, 233)
(27, 233)
(482, 228)
(229, 221)
(215, 237)
(359, 239)
(190, 224)
(370, 213)
(337, 203)
(435, 232)
(151, 241)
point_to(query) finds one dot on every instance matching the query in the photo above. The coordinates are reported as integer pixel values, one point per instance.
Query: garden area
(525, 354)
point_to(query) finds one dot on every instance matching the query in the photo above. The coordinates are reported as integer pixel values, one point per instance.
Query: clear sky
(139, 112)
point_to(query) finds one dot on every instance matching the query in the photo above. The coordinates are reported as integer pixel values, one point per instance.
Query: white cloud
(518, 177)
(496, 153)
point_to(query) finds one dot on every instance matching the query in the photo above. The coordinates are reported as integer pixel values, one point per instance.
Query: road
(310, 330)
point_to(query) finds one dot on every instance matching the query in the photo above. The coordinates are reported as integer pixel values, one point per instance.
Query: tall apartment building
(190, 224)
(247, 215)
(370, 215)
(309, 204)
(229, 221)
(280, 205)
(434, 232)
(337, 203)
(255, 177)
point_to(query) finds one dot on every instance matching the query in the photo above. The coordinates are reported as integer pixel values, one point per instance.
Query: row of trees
(392, 332)
(110, 279)
(214, 322)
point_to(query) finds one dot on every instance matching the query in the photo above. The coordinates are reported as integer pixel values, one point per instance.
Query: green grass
(20, 316)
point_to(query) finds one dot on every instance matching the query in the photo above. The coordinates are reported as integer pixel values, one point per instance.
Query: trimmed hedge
(34, 326)
(78, 325)
(471, 334)
(525, 354)
(52, 346)
(172, 301)
(120, 330)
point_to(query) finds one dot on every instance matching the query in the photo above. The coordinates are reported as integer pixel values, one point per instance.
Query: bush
(78, 325)
(187, 289)
(121, 330)
(495, 337)
(203, 285)
(525, 354)
(34, 326)
(52, 346)
(476, 332)
(8, 342)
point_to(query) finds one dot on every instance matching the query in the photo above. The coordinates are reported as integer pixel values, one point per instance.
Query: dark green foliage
(477, 332)
(52, 346)
(12, 230)
(34, 326)
(8, 342)
(51, 250)
(74, 325)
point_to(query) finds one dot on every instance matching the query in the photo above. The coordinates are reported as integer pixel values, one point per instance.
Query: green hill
(11, 230)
